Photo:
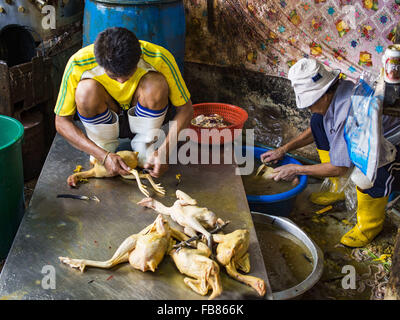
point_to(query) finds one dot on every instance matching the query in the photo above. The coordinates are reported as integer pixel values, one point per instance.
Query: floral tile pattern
(269, 36)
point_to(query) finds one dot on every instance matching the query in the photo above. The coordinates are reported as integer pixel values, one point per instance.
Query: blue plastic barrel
(161, 22)
(280, 204)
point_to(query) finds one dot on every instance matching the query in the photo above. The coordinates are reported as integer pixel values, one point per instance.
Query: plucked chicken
(143, 250)
(232, 253)
(267, 172)
(131, 160)
(187, 214)
(202, 271)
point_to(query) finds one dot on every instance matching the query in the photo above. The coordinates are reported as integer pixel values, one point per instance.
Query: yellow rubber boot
(326, 198)
(370, 218)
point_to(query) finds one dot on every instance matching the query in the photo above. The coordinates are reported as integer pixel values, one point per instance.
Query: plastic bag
(367, 147)
(343, 184)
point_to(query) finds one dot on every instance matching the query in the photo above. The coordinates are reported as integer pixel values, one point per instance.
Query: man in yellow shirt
(120, 87)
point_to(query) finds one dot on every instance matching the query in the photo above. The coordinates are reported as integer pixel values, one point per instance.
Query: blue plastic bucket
(161, 22)
(280, 204)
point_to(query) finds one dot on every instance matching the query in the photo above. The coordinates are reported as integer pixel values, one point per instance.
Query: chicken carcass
(143, 250)
(267, 172)
(203, 272)
(187, 214)
(232, 253)
(131, 160)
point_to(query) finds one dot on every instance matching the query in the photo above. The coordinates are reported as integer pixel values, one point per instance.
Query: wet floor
(326, 230)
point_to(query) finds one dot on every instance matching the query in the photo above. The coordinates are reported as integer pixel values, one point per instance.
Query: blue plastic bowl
(280, 204)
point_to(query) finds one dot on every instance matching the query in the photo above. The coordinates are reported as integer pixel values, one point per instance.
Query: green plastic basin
(11, 181)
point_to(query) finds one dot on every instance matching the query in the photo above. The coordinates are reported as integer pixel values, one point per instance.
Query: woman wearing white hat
(328, 98)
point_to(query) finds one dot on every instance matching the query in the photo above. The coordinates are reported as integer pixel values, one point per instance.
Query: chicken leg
(232, 253)
(143, 250)
(120, 256)
(254, 282)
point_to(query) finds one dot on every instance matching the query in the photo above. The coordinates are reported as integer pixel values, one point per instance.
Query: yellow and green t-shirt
(83, 65)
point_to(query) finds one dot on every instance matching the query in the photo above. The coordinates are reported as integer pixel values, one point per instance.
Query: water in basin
(287, 260)
(258, 186)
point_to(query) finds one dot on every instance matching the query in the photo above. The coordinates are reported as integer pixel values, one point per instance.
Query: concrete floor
(326, 231)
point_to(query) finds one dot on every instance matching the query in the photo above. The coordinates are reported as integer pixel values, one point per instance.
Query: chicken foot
(137, 176)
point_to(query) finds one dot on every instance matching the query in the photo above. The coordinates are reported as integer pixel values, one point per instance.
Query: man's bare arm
(290, 171)
(323, 170)
(304, 139)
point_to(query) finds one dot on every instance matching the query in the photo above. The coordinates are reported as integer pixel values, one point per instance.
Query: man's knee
(153, 91)
(90, 98)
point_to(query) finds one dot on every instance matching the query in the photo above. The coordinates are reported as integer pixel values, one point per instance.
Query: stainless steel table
(54, 227)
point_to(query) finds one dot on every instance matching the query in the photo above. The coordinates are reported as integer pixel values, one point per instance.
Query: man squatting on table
(121, 87)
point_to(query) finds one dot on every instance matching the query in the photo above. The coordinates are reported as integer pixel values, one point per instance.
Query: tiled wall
(269, 36)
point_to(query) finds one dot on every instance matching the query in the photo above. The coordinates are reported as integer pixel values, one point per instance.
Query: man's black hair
(118, 51)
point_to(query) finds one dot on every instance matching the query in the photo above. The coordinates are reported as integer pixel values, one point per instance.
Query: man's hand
(155, 166)
(273, 155)
(116, 166)
(287, 172)
(157, 163)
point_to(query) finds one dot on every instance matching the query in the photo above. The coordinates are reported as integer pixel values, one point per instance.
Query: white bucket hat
(310, 81)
